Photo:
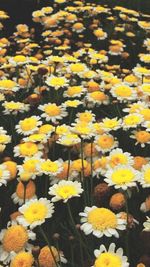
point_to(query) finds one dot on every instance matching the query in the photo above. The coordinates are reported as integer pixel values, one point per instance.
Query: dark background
(20, 11)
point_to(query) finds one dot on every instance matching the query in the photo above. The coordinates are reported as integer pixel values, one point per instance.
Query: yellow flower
(122, 177)
(15, 238)
(34, 212)
(65, 190)
(101, 221)
(56, 82)
(24, 258)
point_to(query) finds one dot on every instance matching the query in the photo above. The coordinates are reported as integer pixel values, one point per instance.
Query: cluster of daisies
(75, 137)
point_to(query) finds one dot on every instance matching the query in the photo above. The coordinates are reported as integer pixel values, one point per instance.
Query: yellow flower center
(110, 123)
(132, 120)
(52, 110)
(118, 159)
(146, 88)
(77, 67)
(65, 191)
(86, 117)
(73, 90)
(36, 137)
(147, 176)
(30, 165)
(18, 59)
(15, 238)
(123, 91)
(142, 136)
(3, 138)
(49, 166)
(28, 149)
(22, 259)
(45, 128)
(57, 81)
(28, 124)
(122, 176)
(107, 259)
(105, 141)
(13, 105)
(100, 96)
(146, 113)
(35, 212)
(102, 219)
(8, 84)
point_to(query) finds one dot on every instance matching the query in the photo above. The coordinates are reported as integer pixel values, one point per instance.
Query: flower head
(65, 190)
(101, 221)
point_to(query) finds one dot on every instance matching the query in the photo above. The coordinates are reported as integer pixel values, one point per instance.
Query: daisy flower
(30, 166)
(53, 112)
(72, 103)
(68, 139)
(145, 89)
(101, 222)
(123, 92)
(8, 85)
(105, 142)
(35, 211)
(96, 98)
(4, 138)
(87, 116)
(132, 121)
(145, 176)
(118, 157)
(77, 68)
(74, 91)
(100, 166)
(51, 168)
(13, 107)
(4, 174)
(56, 82)
(47, 129)
(18, 60)
(28, 125)
(14, 239)
(83, 129)
(36, 138)
(100, 34)
(110, 257)
(28, 149)
(108, 124)
(122, 177)
(141, 137)
(141, 71)
(26, 259)
(65, 190)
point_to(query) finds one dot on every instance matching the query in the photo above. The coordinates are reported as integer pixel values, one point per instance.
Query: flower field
(75, 136)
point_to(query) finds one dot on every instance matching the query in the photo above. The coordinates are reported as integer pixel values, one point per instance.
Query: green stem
(47, 241)
(75, 229)
(91, 179)
(69, 161)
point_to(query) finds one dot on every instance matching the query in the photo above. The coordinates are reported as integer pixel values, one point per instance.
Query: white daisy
(109, 257)
(35, 211)
(65, 190)
(28, 125)
(101, 222)
(122, 177)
